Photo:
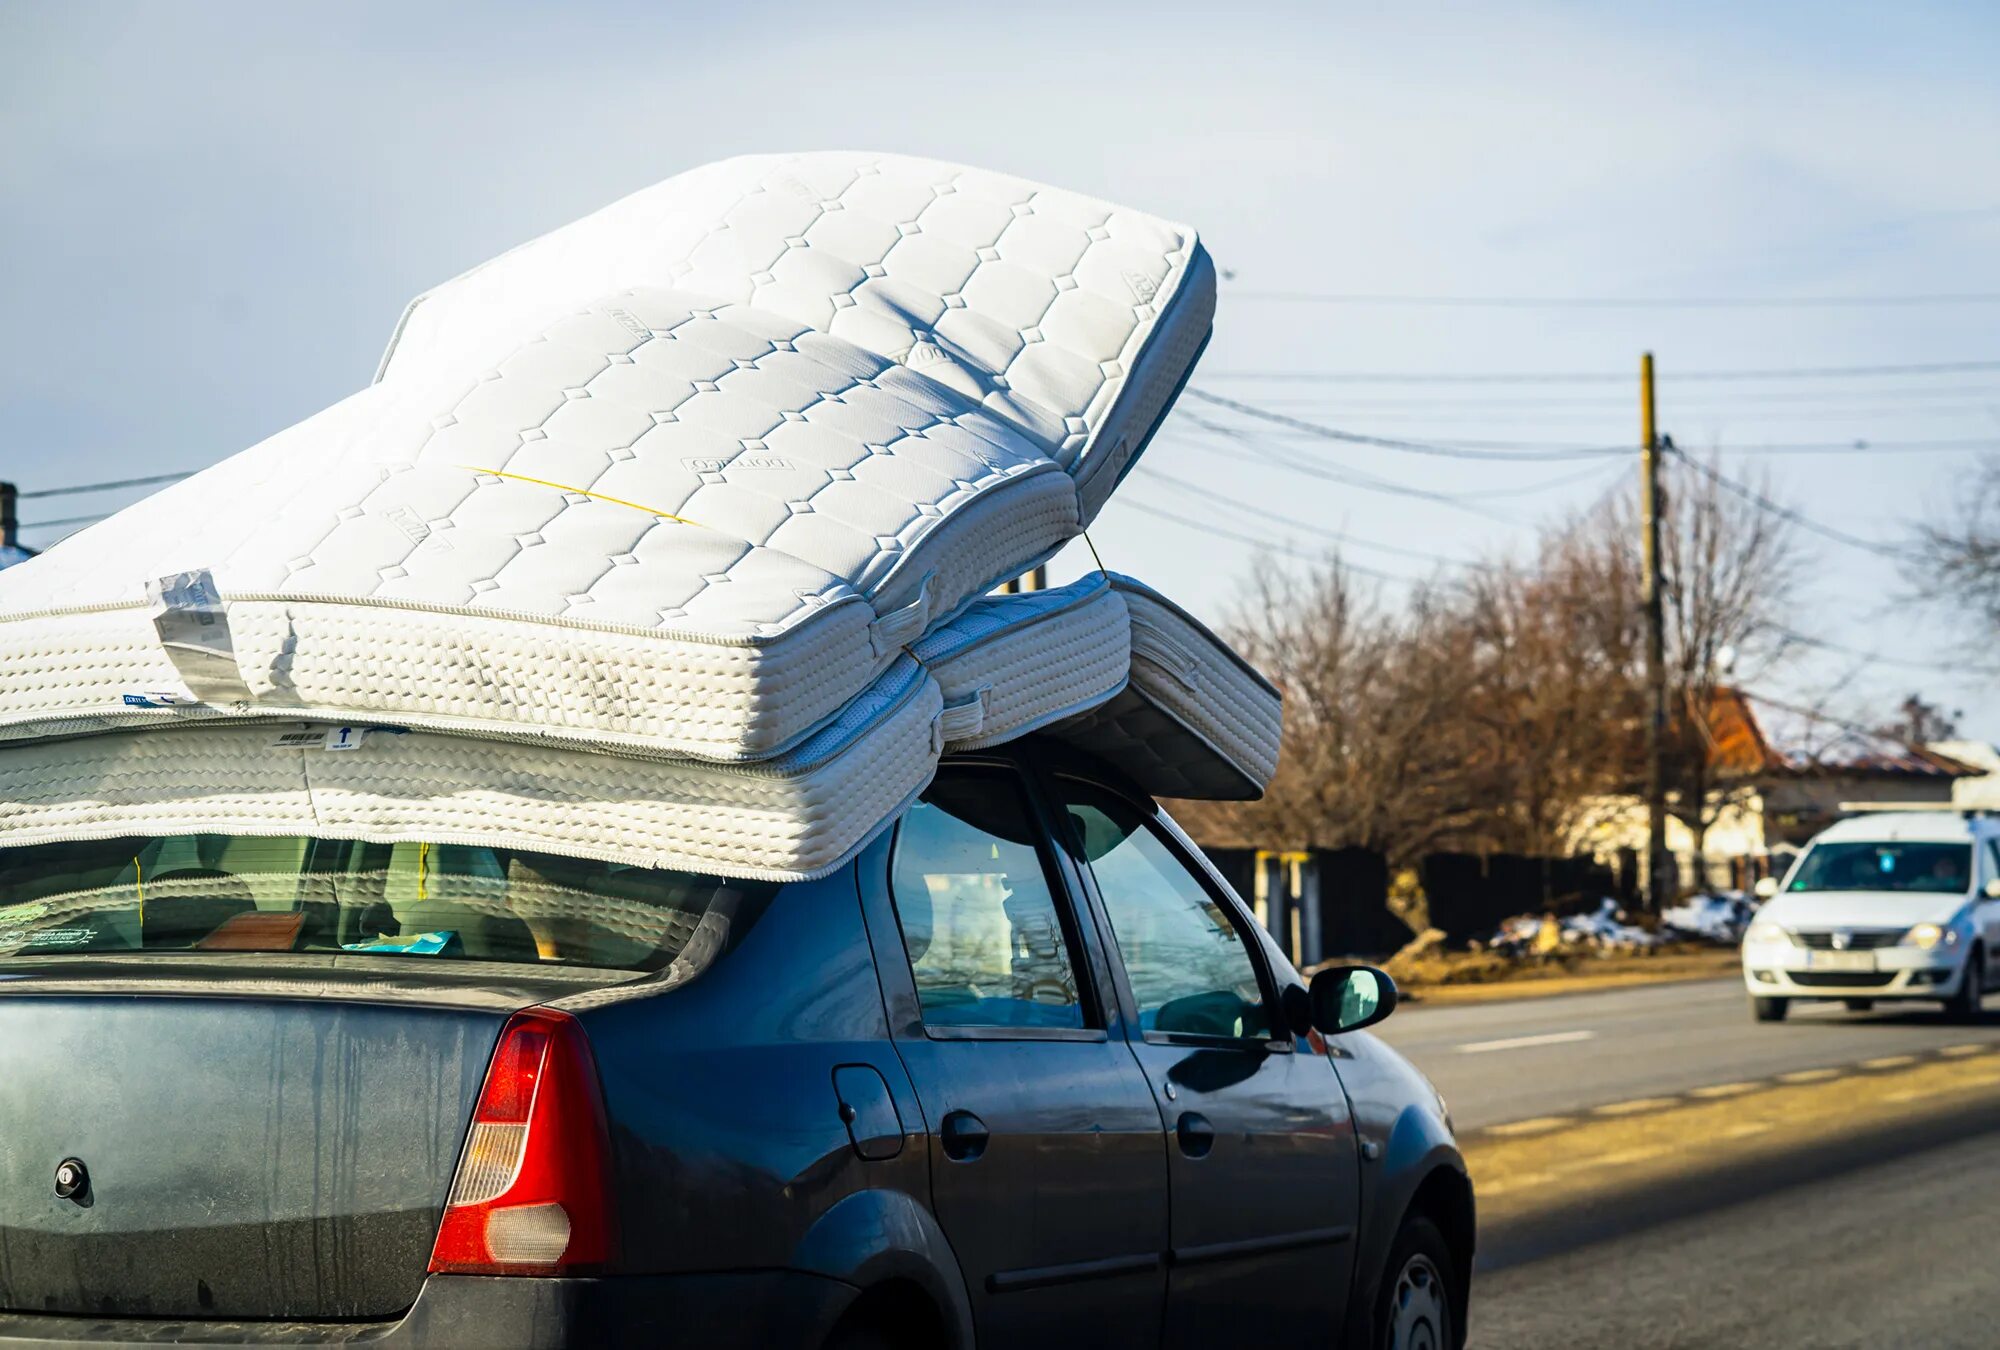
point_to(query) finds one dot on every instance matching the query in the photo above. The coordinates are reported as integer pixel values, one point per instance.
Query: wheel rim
(1418, 1316)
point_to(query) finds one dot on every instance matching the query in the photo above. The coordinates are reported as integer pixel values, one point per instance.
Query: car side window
(980, 919)
(1190, 967)
(1993, 858)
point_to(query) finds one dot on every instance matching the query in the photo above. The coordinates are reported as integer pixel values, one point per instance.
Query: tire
(858, 1336)
(1859, 1004)
(1968, 1004)
(1415, 1309)
(1770, 1009)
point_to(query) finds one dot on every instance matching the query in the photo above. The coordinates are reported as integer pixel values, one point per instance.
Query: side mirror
(1766, 887)
(1348, 998)
(1992, 888)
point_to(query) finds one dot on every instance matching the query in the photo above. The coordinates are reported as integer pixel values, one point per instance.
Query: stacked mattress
(684, 515)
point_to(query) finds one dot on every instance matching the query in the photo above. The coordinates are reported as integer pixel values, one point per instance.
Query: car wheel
(1413, 1310)
(1967, 1004)
(1859, 1004)
(1770, 1009)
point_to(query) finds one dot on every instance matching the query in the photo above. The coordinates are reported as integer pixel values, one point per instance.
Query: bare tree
(1957, 557)
(1494, 706)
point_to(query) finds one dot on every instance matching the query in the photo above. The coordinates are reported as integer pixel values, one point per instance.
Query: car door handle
(964, 1136)
(1195, 1134)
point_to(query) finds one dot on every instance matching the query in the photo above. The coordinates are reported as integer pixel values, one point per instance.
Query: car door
(1048, 1156)
(1262, 1167)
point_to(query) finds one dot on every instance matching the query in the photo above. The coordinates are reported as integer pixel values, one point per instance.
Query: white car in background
(1887, 906)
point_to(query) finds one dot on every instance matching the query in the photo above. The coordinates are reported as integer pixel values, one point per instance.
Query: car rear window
(214, 893)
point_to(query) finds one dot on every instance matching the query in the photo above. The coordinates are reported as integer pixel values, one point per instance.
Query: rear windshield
(425, 902)
(1944, 868)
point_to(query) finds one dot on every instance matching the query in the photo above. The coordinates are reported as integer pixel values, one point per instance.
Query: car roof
(1899, 826)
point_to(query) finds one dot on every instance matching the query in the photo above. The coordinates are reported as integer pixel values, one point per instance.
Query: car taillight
(532, 1194)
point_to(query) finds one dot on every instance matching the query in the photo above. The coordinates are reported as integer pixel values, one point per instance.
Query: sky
(211, 216)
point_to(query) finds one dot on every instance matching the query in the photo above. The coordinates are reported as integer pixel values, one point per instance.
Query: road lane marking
(1523, 1042)
(1960, 1051)
(1889, 1062)
(1808, 1075)
(1724, 1090)
(1635, 1106)
(1620, 1158)
(1744, 1131)
(1536, 1125)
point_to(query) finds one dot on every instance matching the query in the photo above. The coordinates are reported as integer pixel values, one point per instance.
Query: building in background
(1780, 775)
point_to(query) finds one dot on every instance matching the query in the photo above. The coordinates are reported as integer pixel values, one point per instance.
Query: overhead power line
(1792, 635)
(1594, 376)
(148, 481)
(1367, 298)
(65, 521)
(1264, 542)
(1387, 443)
(1803, 521)
(1264, 513)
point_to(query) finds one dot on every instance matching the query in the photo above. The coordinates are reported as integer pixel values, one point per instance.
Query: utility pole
(10, 528)
(1034, 579)
(1660, 880)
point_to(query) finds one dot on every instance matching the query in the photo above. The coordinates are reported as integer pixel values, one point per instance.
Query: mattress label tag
(193, 626)
(321, 736)
(157, 698)
(343, 738)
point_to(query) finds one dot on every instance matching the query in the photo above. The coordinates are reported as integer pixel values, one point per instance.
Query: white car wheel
(1419, 1314)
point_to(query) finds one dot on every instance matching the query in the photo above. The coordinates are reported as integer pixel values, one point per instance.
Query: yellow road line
(1536, 1125)
(1635, 1106)
(1724, 1090)
(1889, 1062)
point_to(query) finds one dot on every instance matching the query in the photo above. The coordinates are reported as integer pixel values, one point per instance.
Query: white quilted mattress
(1005, 667)
(682, 480)
(1196, 720)
(1102, 663)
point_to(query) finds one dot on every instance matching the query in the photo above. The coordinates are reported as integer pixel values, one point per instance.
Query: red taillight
(532, 1194)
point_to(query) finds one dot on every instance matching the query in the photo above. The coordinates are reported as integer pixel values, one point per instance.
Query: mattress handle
(1163, 652)
(962, 720)
(900, 627)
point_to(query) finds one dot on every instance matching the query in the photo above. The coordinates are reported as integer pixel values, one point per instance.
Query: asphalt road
(1845, 1252)
(1521, 1059)
(1832, 1233)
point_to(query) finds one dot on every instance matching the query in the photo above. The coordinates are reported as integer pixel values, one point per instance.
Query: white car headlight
(1764, 931)
(1929, 935)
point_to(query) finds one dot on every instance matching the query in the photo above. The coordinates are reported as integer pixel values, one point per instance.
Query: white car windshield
(1940, 868)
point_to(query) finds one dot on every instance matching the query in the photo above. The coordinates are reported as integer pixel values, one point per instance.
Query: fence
(1323, 903)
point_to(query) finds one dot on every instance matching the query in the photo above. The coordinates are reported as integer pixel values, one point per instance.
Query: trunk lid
(269, 1144)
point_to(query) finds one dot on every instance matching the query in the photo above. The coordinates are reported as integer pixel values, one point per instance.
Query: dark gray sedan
(1025, 1072)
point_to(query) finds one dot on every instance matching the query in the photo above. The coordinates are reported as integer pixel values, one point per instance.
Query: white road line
(1523, 1042)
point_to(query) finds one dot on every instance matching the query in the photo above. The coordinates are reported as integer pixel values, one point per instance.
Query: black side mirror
(1348, 998)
